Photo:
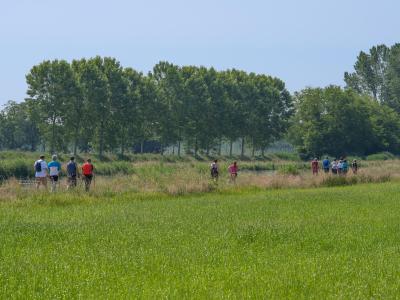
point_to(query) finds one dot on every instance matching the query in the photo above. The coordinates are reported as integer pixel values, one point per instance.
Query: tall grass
(328, 243)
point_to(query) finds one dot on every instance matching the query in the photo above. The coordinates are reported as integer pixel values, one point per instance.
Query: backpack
(38, 166)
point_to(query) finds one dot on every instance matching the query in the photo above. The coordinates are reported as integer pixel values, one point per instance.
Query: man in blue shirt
(326, 164)
(54, 171)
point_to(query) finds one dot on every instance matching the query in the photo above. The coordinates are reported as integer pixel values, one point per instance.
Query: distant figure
(345, 167)
(54, 171)
(233, 171)
(315, 166)
(335, 167)
(72, 172)
(326, 165)
(41, 172)
(354, 166)
(87, 172)
(340, 167)
(214, 170)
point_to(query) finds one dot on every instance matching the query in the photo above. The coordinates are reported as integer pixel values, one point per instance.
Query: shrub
(289, 170)
(381, 156)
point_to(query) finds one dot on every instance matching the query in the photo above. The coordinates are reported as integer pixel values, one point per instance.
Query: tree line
(98, 105)
(363, 118)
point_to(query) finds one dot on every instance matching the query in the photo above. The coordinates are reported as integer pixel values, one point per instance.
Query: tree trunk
(220, 147)
(254, 149)
(76, 141)
(53, 135)
(195, 147)
(208, 150)
(230, 148)
(141, 147)
(179, 148)
(101, 142)
(242, 150)
(263, 151)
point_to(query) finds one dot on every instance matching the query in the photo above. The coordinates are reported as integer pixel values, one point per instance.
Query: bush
(289, 170)
(381, 156)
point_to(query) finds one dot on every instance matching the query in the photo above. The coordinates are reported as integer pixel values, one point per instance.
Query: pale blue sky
(305, 43)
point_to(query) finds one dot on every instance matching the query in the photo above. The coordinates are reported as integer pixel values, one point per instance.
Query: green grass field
(341, 242)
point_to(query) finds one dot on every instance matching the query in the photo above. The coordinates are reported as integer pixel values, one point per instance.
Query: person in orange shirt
(87, 172)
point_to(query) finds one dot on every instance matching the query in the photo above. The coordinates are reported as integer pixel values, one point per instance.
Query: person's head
(335, 160)
(327, 157)
(54, 157)
(72, 158)
(215, 160)
(234, 163)
(41, 156)
(89, 160)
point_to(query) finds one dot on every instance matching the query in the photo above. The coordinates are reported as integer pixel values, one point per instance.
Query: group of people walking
(233, 170)
(52, 170)
(337, 166)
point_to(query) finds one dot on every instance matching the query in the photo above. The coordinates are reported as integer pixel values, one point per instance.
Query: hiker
(335, 167)
(214, 170)
(345, 167)
(315, 166)
(72, 173)
(326, 164)
(54, 171)
(233, 171)
(87, 172)
(41, 172)
(340, 167)
(354, 166)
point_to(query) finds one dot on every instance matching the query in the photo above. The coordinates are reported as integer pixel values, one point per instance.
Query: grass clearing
(340, 242)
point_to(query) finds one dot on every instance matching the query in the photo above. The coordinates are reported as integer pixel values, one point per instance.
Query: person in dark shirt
(72, 172)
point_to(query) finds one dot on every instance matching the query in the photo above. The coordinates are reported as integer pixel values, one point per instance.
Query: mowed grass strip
(310, 243)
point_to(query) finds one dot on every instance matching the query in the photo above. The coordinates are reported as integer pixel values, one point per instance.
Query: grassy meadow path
(292, 243)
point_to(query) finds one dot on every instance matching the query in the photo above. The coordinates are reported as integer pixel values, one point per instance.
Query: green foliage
(381, 156)
(289, 170)
(341, 122)
(96, 104)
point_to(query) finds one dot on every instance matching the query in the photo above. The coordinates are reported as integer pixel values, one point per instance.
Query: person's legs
(54, 180)
(88, 181)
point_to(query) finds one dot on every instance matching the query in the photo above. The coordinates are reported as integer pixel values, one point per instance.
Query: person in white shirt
(41, 172)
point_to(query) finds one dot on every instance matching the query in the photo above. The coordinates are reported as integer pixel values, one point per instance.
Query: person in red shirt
(87, 172)
(315, 166)
(233, 171)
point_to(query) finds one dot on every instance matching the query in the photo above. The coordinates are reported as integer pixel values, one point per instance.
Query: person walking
(41, 172)
(326, 164)
(354, 166)
(340, 167)
(233, 171)
(334, 167)
(54, 171)
(214, 170)
(345, 167)
(88, 173)
(72, 173)
(315, 166)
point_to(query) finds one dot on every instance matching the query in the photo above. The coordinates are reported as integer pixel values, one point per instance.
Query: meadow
(156, 227)
(337, 242)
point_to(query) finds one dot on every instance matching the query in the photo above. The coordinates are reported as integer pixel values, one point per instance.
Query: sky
(303, 42)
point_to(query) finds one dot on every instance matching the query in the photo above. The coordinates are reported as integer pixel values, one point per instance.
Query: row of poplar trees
(98, 105)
